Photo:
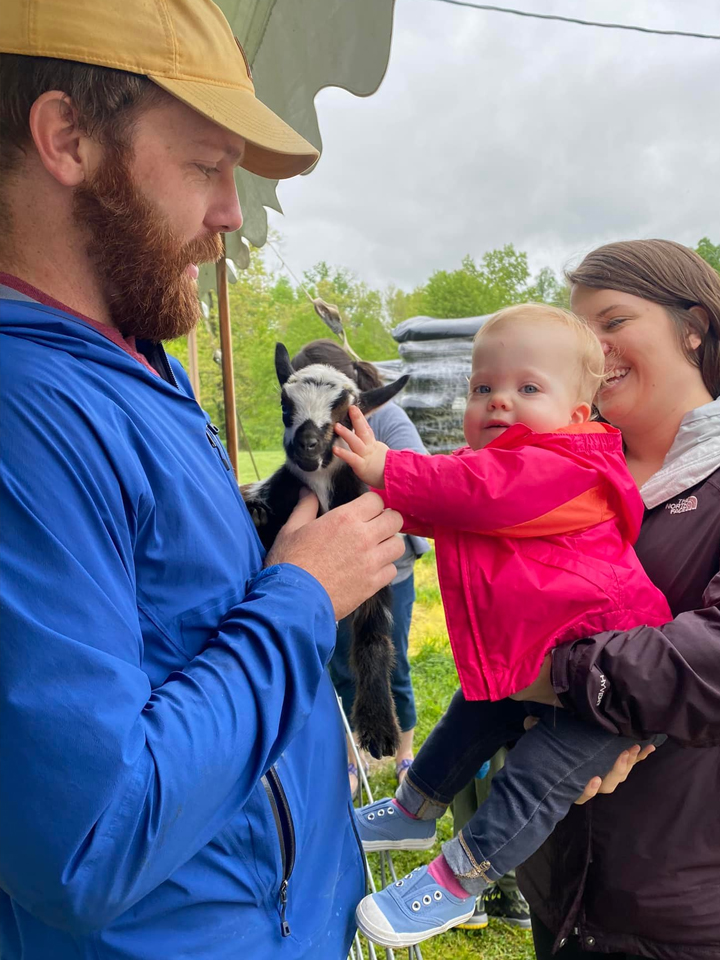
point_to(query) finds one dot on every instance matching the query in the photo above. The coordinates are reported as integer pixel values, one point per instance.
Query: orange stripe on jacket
(583, 511)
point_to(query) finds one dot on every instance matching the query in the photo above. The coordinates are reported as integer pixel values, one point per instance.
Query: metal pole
(193, 369)
(227, 361)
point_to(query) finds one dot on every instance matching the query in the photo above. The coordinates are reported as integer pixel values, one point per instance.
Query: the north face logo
(682, 506)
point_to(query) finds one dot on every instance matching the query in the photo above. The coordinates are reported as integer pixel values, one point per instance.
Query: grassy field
(266, 461)
(435, 681)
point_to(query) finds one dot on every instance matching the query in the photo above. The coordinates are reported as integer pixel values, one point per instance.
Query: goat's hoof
(383, 745)
(259, 515)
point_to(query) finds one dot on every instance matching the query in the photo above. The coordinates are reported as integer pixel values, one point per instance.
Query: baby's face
(523, 372)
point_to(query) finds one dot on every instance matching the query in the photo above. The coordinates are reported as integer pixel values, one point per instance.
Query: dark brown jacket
(639, 870)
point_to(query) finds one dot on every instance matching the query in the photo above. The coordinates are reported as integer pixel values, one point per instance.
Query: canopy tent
(295, 48)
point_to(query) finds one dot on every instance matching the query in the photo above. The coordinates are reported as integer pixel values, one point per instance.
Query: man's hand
(366, 455)
(350, 550)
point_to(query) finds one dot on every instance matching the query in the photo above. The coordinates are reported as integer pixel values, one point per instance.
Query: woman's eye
(529, 388)
(612, 324)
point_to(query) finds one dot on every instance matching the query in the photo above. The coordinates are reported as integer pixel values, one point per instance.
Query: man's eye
(207, 171)
(529, 388)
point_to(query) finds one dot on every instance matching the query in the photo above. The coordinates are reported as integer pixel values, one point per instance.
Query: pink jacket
(533, 536)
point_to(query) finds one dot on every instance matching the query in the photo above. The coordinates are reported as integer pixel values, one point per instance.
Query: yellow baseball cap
(184, 46)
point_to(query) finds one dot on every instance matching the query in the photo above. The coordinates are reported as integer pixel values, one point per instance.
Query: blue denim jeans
(543, 775)
(403, 596)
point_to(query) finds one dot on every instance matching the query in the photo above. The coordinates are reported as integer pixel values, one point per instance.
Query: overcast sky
(491, 129)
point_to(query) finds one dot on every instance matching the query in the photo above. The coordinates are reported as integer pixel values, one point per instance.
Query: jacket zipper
(157, 352)
(211, 432)
(286, 834)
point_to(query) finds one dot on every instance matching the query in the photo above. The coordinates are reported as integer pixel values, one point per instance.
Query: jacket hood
(59, 330)
(694, 455)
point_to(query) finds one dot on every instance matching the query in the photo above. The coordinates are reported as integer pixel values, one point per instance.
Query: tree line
(266, 307)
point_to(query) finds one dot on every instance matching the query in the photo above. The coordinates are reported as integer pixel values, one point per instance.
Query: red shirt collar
(125, 343)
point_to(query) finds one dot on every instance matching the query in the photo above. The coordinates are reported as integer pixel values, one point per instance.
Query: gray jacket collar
(694, 455)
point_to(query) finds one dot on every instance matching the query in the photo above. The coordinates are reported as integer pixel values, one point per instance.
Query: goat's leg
(270, 502)
(372, 658)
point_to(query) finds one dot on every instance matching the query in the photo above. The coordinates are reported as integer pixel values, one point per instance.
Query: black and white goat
(313, 400)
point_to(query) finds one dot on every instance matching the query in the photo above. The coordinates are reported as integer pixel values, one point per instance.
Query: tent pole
(227, 360)
(193, 368)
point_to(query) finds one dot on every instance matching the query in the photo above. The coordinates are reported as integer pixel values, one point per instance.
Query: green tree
(265, 308)
(501, 278)
(709, 252)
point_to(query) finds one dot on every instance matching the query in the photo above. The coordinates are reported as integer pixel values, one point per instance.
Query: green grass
(267, 462)
(435, 680)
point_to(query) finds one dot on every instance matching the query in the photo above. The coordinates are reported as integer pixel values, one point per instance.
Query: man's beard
(141, 264)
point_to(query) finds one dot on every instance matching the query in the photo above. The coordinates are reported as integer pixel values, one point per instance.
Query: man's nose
(225, 216)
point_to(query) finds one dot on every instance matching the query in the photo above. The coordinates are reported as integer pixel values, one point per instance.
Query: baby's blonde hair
(591, 359)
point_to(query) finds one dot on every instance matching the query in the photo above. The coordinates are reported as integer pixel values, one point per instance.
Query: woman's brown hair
(671, 275)
(327, 351)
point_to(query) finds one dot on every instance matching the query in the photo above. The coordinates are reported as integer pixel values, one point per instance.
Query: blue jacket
(171, 748)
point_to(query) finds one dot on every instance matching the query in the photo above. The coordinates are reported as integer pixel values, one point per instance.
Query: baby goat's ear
(283, 367)
(372, 399)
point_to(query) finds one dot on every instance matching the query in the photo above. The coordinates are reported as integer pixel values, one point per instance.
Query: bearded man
(165, 710)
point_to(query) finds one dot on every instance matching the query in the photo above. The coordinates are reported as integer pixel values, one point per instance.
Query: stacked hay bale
(437, 355)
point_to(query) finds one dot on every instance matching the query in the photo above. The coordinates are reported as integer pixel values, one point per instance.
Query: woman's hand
(621, 770)
(366, 455)
(541, 691)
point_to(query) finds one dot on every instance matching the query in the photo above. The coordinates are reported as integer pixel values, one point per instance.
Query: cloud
(491, 129)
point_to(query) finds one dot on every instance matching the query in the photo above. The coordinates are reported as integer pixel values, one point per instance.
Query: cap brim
(273, 149)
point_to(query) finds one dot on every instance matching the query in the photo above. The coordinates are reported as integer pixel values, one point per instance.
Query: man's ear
(700, 314)
(581, 413)
(370, 400)
(68, 154)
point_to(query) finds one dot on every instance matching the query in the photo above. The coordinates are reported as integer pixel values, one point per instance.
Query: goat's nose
(309, 444)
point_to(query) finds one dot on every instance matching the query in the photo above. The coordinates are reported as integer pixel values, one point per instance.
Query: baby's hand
(366, 455)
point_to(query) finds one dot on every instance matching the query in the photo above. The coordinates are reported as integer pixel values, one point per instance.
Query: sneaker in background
(479, 919)
(510, 907)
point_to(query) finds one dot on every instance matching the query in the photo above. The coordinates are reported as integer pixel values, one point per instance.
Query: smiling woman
(656, 308)
(644, 879)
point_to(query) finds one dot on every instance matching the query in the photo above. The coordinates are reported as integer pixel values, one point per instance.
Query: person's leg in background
(503, 899)
(344, 684)
(544, 940)
(403, 598)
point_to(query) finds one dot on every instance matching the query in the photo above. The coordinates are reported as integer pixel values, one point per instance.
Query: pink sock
(440, 871)
(406, 812)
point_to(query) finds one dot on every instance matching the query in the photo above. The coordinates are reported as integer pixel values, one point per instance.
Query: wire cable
(582, 23)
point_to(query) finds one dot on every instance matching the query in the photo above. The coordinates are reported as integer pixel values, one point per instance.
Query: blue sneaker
(411, 910)
(383, 826)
